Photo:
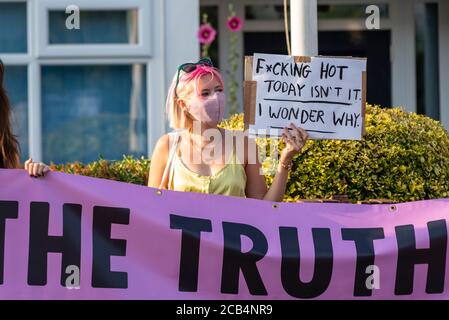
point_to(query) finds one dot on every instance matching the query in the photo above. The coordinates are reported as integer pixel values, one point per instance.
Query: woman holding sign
(9, 146)
(183, 160)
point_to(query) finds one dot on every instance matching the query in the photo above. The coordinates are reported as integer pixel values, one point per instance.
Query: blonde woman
(196, 104)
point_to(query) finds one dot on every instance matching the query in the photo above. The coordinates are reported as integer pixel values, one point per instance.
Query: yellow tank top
(229, 180)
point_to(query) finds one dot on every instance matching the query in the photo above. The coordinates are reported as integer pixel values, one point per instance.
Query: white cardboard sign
(323, 95)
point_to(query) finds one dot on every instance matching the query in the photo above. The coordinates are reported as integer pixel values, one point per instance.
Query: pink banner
(74, 237)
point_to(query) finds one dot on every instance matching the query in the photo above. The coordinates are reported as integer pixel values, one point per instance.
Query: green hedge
(127, 170)
(403, 157)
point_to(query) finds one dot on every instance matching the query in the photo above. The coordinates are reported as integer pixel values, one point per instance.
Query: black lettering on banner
(409, 256)
(104, 247)
(8, 210)
(190, 249)
(364, 244)
(291, 263)
(235, 260)
(69, 244)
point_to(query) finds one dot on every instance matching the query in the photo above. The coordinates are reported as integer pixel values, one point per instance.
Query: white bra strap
(171, 155)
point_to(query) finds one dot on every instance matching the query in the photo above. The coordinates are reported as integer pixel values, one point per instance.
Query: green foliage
(127, 170)
(402, 157)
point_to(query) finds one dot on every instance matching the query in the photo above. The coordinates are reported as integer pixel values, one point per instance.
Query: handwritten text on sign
(322, 95)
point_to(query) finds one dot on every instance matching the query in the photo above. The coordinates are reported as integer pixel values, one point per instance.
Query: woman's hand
(295, 140)
(36, 169)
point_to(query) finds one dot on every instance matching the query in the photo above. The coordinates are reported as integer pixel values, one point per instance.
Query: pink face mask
(209, 110)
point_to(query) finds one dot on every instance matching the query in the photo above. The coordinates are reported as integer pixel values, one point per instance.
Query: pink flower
(235, 24)
(206, 34)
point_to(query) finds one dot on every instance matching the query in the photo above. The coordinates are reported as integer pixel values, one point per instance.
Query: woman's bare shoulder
(162, 146)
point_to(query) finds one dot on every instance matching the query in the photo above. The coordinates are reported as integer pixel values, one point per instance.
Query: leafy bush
(127, 170)
(403, 157)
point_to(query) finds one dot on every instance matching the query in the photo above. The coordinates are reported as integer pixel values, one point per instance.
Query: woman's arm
(158, 162)
(256, 186)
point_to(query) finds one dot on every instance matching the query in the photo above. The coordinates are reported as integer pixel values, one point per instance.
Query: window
(99, 27)
(111, 28)
(17, 87)
(13, 17)
(349, 11)
(92, 111)
(338, 11)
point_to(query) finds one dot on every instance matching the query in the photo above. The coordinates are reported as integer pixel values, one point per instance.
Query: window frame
(149, 74)
(47, 50)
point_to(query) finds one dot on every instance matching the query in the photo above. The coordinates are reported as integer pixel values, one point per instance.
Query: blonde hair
(176, 116)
